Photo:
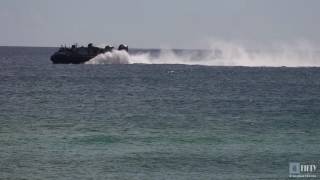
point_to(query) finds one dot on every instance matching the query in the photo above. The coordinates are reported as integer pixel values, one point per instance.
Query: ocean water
(153, 121)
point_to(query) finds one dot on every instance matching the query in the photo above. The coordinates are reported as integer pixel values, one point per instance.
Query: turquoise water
(153, 121)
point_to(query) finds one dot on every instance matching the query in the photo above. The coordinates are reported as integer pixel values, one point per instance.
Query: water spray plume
(222, 54)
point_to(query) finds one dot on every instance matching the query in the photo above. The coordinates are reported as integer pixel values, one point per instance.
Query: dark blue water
(153, 121)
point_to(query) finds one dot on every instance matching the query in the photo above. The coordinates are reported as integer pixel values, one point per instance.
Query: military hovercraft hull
(80, 55)
(62, 58)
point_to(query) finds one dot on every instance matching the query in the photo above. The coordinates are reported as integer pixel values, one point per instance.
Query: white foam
(223, 54)
(114, 57)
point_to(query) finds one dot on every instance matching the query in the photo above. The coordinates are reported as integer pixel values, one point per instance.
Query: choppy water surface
(153, 121)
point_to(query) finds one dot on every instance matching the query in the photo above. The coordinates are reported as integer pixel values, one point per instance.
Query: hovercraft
(79, 55)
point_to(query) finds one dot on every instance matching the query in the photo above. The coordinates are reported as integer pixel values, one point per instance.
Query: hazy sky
(157, 23)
